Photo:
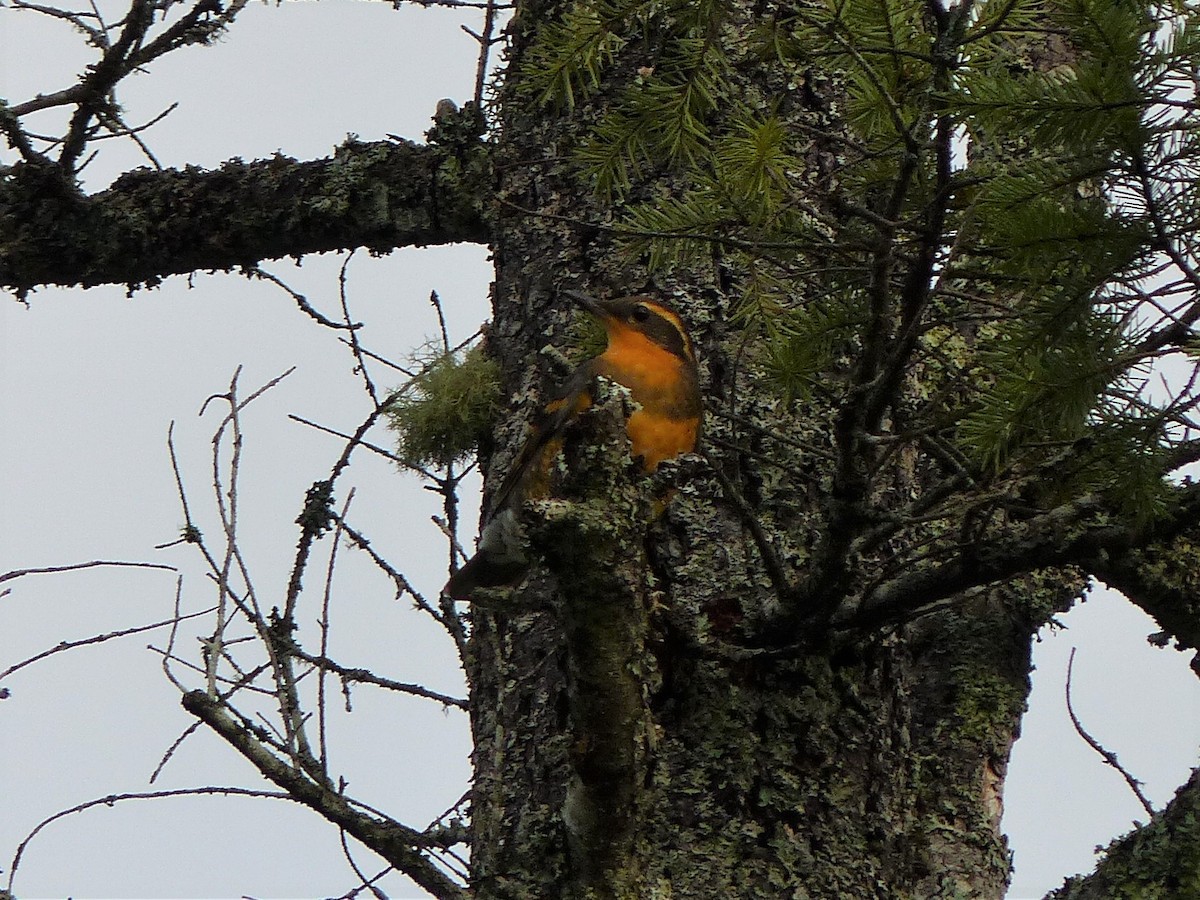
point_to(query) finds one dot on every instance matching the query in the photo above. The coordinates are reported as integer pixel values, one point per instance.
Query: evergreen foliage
(1014, 211)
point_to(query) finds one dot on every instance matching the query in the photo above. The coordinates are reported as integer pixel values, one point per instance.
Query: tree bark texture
(150, 224)
(863, 766)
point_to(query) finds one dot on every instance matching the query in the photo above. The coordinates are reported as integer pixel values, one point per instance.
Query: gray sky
(90, 381)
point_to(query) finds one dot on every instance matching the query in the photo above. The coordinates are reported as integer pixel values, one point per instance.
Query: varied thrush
(650, 353)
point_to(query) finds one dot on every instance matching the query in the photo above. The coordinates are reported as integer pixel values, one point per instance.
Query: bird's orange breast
(664, 386)
(657, 438)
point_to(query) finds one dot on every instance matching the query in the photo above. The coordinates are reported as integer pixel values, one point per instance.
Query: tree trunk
(630, 740)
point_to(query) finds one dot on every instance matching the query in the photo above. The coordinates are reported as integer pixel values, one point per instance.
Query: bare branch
(97, 85)
(397, 843)
(448, 620)
(355, 346)
(365, 676)
(113, 799)
(779, 579)
(486, 41)
(374, 448)
(364, 881)
(175, 745)
(72, 567)
(323, 624)
(301, 300)
(1108, 756)
(100, 639)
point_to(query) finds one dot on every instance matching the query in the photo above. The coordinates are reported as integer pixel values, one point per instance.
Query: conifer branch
(1082, 532)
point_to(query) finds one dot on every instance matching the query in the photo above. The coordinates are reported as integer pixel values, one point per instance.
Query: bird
(649, 352)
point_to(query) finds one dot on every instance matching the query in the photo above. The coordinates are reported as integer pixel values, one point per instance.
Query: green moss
(448, 409)
(987, 704)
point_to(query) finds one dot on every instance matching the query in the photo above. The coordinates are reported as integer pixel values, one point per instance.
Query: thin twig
(228, 516)
(355, 347)
(301, 300)
(175, 745)
(486, 40)
(276, 633)
(374, 448)
(771, 562)
(1108, 756)
(365, 676)
(113, 799)
(453, 624)
(436, 302)
(364, 881)
(323, 624)
(242, 683)
(407, 373)
(117, 128)
(99, 639)
(71, 567)
(171, 635)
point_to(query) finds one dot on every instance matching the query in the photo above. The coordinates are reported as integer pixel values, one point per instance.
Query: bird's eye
(641, 313)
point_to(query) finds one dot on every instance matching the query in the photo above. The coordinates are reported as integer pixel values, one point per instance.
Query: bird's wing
(574, 397)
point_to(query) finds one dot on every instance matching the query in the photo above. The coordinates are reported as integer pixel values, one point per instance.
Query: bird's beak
(590, 303)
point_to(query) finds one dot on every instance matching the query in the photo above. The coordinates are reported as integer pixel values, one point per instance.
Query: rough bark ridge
(862, 766)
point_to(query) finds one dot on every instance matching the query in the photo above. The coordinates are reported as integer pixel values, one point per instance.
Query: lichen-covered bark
(150, 224)
(603, 606)
(862, 764)
(1164, 580)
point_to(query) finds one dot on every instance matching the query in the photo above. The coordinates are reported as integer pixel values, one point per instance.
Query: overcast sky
(90, 382)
